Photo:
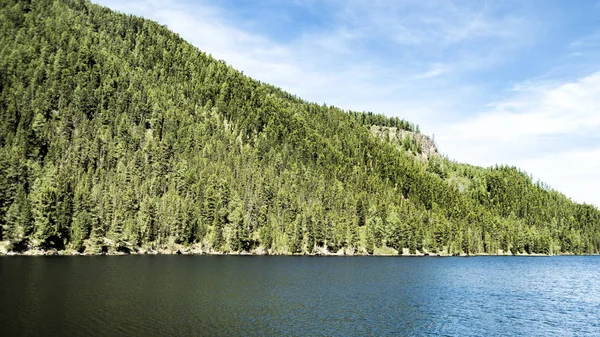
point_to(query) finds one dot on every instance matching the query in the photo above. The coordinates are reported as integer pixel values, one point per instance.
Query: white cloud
(537, 111)
(550, 131)
(574, 173)
(438, 23)
(435, 71)
(534, 112)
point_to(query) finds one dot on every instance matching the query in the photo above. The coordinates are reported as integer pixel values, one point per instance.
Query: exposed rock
(318, 250)
(260, 250)
(426, 144)
(201, 249)
(33, 252)
(385, 251)
(444, 253)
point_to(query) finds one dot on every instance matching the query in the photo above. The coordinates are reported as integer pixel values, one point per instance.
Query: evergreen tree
(116, 134)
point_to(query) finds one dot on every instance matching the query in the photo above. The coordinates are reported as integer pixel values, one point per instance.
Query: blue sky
(509, 82)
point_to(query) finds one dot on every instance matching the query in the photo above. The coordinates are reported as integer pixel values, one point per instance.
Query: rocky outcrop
(425, 144)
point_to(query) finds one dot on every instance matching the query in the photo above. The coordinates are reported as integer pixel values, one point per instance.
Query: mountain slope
(117, 135)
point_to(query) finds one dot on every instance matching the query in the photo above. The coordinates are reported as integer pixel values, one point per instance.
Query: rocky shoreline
(195, 250)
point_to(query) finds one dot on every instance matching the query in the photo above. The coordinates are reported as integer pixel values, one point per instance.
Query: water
(299, 296)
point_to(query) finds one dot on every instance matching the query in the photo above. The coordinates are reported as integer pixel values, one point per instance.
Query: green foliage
(115, 131)
(369, 119)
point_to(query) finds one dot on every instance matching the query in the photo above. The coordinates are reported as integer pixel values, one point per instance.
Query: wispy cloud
(573, 172)
(435, 71)
(442, 23)
(539, 110)
(548, 129)
(361, 60)
(591, 40)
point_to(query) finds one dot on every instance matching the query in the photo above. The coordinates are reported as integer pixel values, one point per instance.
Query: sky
(494, 82)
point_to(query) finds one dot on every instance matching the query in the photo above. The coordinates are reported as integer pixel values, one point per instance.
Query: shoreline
(198, 249)
(264, 253)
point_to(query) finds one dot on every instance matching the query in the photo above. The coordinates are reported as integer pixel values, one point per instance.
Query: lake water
(299, 296)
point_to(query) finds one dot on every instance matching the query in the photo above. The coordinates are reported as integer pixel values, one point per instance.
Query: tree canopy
(116, 134)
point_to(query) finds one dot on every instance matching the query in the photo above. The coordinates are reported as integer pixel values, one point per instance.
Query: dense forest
(117, 135)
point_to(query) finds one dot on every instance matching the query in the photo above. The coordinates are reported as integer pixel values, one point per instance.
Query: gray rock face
(394, 135)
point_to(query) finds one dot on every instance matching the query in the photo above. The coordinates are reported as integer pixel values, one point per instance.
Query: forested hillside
(117, 135)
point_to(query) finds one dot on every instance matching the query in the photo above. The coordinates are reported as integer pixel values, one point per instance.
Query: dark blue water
(299, 296)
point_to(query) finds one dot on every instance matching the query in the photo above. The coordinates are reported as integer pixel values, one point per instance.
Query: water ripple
(299, 296)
